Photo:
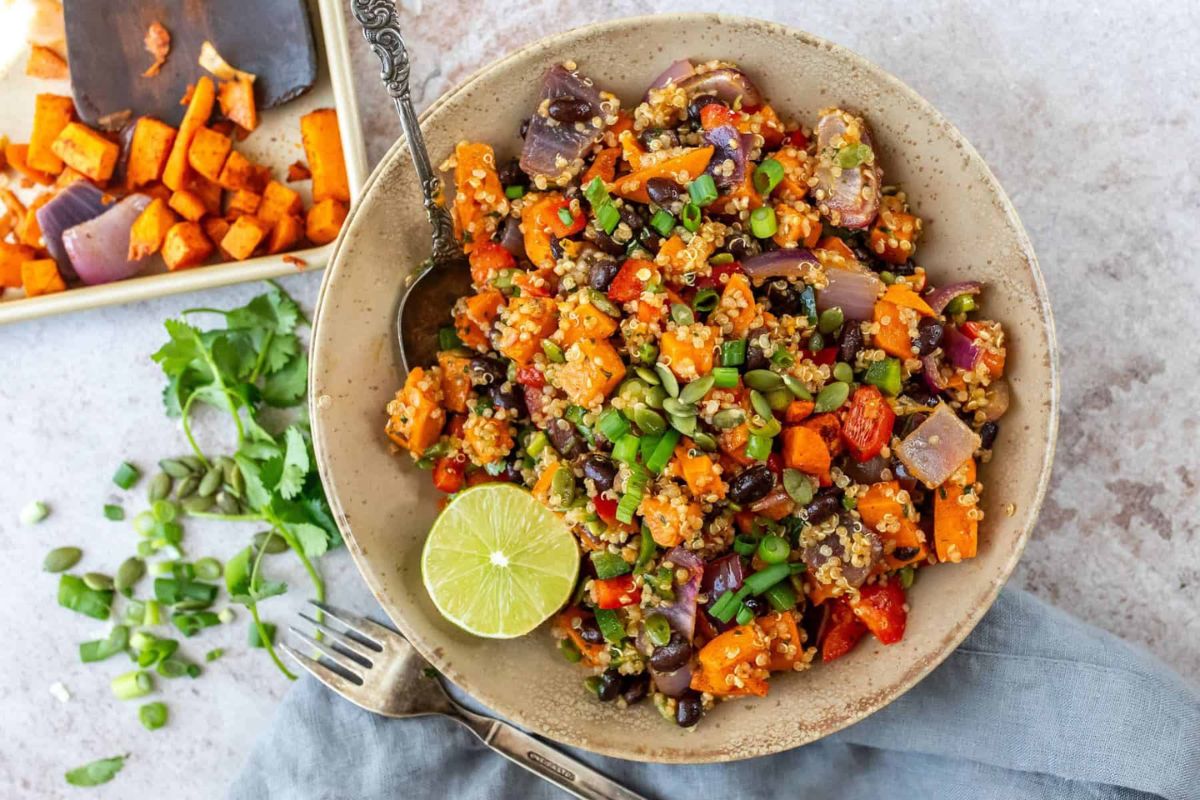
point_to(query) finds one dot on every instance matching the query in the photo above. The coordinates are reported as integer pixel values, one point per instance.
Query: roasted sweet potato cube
(244, 236)
(286, 234)
(188, 205)
(148, 152)
(215, 229)
(208, 152)
(593, 370)
(323, 148)
(325, 220)
(40, 276)
(240, 172)
(29, 229)
(279, 201)
(16, 155)
(185, 246)
(51, 113)
(149, 229)
(209, 192)
(243, 202)
(85, 150)
(236, 98)
(200, 106)
(11, 258)
(45, 63)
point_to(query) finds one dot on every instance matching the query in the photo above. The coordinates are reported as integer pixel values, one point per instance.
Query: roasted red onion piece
(554, 150)
(931, 369)
(678, 71)
(511, 238)
(728, 84)
(852, 291)
(681, 612)
(728, 145)
(939, 446)
(77, 203)
(999, 396)
(848, 197)
(673, 684)
(724, 574)
(961, 351)
(99, 248)
(786, 263)
(938, 299)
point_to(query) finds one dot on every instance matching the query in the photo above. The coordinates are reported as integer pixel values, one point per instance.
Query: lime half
(498, 563)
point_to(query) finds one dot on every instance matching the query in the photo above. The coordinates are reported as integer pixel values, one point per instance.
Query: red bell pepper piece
(615, 592)
(881, 608)
(714, 115)
(458, 422)
(449, 473)
(553, 217)
(775, 464)
(487, 259)
(531, 376)
(627, 285)
(843, 630)
(713, 279)
(827, 356)
(868, 424)
(796, 139)
(606, 508)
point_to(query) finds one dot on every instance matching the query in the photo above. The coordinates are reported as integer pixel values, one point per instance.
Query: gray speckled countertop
(1088, 117)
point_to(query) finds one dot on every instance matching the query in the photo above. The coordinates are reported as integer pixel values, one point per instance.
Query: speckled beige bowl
(384, 505)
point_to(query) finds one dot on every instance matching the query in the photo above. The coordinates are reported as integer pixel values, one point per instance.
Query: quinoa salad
(700, 334)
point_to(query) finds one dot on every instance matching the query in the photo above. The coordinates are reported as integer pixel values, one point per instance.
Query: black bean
(512, 473)
(602, 271)
(507, 395)
(827, 503)
(565, 438)
(486, 371)
(905, 553)
(511, 175)
(663, 190)
(752, 483)
(921, 395)
(610, 685)
(907, 268)
(667, 136)
(608, 244)
(569, 109)
(672, 655)
(600, 470)
(650, 239)
(631, 217)
(742, 247)
(589, 631)
(812, 622)
(900, 472)
(556, 248)
(756, 358)
(987, 434)
(636, 687)
(785, 296)
(699, 102)
(929, 335)
(850, 342)
(688, 710)
(757, 605)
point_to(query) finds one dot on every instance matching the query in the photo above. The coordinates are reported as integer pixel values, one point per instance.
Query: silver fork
(378, 669)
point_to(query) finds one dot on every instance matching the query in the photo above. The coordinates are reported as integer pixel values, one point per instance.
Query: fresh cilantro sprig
(255, 360)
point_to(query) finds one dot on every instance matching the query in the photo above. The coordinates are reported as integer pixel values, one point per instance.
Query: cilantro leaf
(286, 386)
(313, 540)
(295, 464)
(97, 772)
(280, 351)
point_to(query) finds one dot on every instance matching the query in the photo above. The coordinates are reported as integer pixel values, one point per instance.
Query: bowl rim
(983, 603)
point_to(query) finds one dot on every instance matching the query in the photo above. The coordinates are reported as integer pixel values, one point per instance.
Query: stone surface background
(1085, 111)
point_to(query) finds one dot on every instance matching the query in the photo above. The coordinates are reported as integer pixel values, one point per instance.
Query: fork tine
(331, 678)
(370, 631)
(350, 663)
(347, 640)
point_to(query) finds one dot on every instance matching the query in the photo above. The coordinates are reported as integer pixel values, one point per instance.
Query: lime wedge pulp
(498, 563)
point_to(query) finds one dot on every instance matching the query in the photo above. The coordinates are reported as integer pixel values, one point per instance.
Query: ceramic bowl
(384, 505)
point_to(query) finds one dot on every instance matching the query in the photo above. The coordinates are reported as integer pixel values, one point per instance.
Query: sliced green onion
(214, 654)
(774, 549)
(575, 414)
(448, 338)
(762, 222)
(609, 565)
(595, 192)
(658, 629)
(190, 624)
(744, 545)
(906, 575)
(724, 604)
(208, 569)
(647, 549)
(703, 190)
(663, 222)
(117, 641)
(758, 447)
(849, 503)
(569, 651)
(767, 176)
(612, 424)
(153, 716)
(114, 512)
(74, 594)
(782, 358)
(663, 451)
(566, 216)
(34, 512)
(744, 615)
(690, 215)
(765, 578)
(610, 625)
(126, 475)
(152, 613)
(721, 258)
(960, 305)
(733, 354)
(647, 444)
(537, 443)
(725, 377)
(781, 596)
(706, 300)
(131, 685)
(164, 511)
(607, 217)
(628, 505)
(625, 449)
(514, 192)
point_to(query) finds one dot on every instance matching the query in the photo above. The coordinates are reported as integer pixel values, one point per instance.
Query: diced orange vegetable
(325, 221)
(670, 523)
(688, 349)
(208, 191)
(15, 155)
(215, 229)
(150, 229)
(737, 305)
(565, 622)
(29, 230)
(541, 489)
(682, 169)
(298, 171)
(604, 166)
(785, 643)
(67, 177)
(244, 236)
(586, 322)
(148, 152)
(188, 205)
(765, 122)
(11, 258)
(85, 150)
(893, 337)
(835, 245)
(286, 234)
(955, 532)
(243, 202)
(805, 450)
(698, 471)
(798, 410)
(593, 370)
(236, 99)
(240, 172)
(323, 149)
(720, 658)
(45, 63)
(487, 440)
(487, 260)
(478, 313)
(631, 149)
(208, 152)
(829, 428)
(903, 295)
(541, 224)
(878, 502)
(51, 114)
(531, 319)
(456, 380)
(797, 169)
(185, 246)
(40, 277)
(278, 201)
(199, 109)
(416, 416)
(894, 235)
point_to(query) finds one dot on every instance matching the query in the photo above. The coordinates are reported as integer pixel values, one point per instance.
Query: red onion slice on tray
(99, 248)
(728, 84)
(848, 196)
(555, 149)
(939, 446)
(852, 291)
(79, 202)
(939, 298)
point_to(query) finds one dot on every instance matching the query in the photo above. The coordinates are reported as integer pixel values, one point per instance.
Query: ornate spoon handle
(381, 28)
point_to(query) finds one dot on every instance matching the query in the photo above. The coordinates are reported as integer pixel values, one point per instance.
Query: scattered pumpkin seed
(271, 542)
(553, 352)
(729, 418)
(647, 374)
(843, 372)
(655, 396)
(649, 421)
(562, 485)
(830, 320)
(779, 399)
(695, 391)
(226, 502)
(208, 569)
(762, 379)
(668, 379)
(769, 428)
(198, 504)
(159, 487)
(186, 487)
(61, 559)
(704, 441)
(684, 424)
(760, 404)
(97, 581)
(193, 463)
(677, 408)
(682, 314)
(798, 486)
(211, 482)
(600, 301)
(831, 397)
(797, 387)
(175, 468)
(128, 574)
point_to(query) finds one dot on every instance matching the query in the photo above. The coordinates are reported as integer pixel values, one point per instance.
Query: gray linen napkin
(1034, 704)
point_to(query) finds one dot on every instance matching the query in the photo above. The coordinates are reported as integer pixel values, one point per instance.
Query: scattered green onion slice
(767, 176)
(725, 377)
(448, 338)
(609, 565)
(663, 222)
(626, 448)
(781, 596)
(126, 475)
(765, 578)
(758, 447)
(762, 222)
(610, 625)
(514, 192)
(132, 684)
(774, 549)
(706, 300)
(595, 192)
(690, 216)
(682, 314)
(153, 715)
(607, 217)
(961, 305)
(34, 512)
(612, 424)
(733, 353)
(703, 190)
(566, 216)
(744, 545)
(114, 512)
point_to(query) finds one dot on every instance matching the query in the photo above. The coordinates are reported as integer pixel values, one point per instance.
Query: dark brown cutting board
(105, 47)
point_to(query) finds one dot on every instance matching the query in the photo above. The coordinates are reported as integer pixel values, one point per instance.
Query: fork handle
(569, 774)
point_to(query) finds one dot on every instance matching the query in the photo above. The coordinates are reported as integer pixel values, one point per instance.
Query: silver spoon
(445, 276)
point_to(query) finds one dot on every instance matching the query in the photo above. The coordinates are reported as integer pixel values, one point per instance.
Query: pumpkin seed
(562, 485)
(677, 408)
(760, 405)
(668, 379)
(61, 559)
(656, 396)
(647, 374)
(128, 574)
(797, 387)
(226, 502)
(831, 397)
(649, 421)
(271, 542)
(843, 372)
(830, 320)
(728, 418)
(762, 379)
(237, 486)
(208, 569)
(779, 399)
(186, 487)
(704, 441)
(694, 392)
(97, 581)
(175, 467)
(211, 482)
(159, 487)
(682, 314)
(633, 391)
(198, 504)
(798, 486)
(769, 428)
(193, 463)
(601, 302)
(684, 424)
(553, 352)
